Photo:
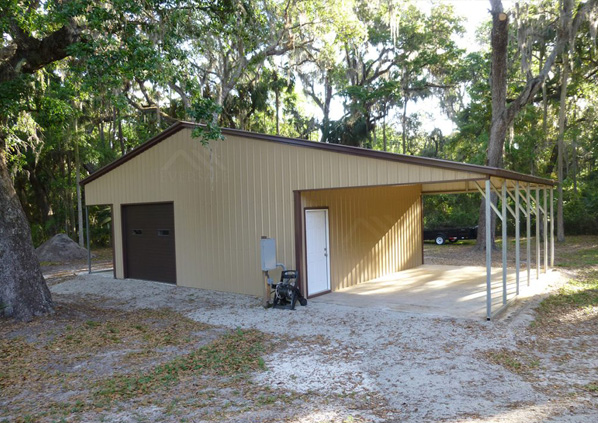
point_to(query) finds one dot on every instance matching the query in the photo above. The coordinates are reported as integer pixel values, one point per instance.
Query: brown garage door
(149, 242)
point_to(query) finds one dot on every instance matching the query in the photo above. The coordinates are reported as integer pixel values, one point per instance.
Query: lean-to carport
(475, 290)
(520, 196)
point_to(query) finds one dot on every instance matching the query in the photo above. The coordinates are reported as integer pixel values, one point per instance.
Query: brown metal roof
(342, 149)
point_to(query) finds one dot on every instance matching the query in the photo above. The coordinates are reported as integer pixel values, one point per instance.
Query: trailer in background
(442, 235)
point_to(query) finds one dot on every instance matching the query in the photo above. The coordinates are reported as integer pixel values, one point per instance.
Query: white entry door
(317, 246)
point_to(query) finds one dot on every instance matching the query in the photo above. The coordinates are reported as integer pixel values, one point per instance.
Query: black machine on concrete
(286, 292)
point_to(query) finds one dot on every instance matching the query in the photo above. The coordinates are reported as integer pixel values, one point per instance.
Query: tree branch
(149, 109)
(32, 54)
(534, 85)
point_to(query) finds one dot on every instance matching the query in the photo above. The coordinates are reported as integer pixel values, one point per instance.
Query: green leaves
(205, 111)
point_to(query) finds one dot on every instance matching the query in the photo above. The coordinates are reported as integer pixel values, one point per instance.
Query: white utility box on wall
(268, 250)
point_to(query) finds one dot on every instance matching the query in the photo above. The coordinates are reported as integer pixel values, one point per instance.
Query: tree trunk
(23, 290)
(110, 135)
(326, 110)
(560, 225)
(277, 100)
(575, 165)
(498, 130)
(69, 210)
(78, 187)
(544, 145)
(404, 124)
(384, 130)
(566, 28)
(499, 42)
(102, 140)
(121, 139)
(40, 195)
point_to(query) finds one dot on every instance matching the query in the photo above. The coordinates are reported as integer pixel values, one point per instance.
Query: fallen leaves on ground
(85, 357)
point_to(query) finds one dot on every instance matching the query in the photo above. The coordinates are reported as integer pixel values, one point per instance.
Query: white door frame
(327, 233)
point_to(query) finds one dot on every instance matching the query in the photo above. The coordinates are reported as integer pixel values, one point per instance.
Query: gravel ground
(414, 368)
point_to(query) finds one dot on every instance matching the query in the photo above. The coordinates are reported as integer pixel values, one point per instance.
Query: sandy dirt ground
(412, 367)
(59, 272)
(326, 362)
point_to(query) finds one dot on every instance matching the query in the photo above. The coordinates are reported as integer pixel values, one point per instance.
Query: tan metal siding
(373, 231)
(229, 195)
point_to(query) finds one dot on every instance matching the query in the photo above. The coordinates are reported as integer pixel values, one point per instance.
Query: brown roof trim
(338, 148)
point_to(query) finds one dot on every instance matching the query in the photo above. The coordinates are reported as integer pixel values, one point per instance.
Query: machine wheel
(440, 239)
(275, 301)
(293, 300)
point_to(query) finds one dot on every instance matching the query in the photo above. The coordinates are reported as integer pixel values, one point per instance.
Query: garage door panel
(149, 246)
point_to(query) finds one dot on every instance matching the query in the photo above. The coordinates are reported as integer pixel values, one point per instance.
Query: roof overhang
(472, 186)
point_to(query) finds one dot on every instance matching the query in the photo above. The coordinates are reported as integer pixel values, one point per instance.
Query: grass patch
(582, 258)
(592, 387)
(233, 354)
(577, 301)
(514, 361)
(96, 334)
(578, 297)
(102, 357)
(49, 357)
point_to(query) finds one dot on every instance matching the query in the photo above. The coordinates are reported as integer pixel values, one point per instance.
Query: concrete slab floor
(447, 291)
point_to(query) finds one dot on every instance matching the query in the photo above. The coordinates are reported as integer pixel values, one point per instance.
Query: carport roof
(489, 172)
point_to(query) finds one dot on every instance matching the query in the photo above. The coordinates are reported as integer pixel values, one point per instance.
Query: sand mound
(60, 248)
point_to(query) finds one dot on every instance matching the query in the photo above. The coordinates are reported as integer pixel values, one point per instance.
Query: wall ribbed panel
(373, 231)
(228, 195)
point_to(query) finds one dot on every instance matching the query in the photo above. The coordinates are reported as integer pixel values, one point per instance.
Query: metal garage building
(193, 215)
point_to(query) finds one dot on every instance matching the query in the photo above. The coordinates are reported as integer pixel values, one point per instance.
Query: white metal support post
(516, 197)
(488, 253)
(538, 256)
(528, 227)
(88, 241)
(551, 227)
(517, 238)
(489, 207)
(503, 200)
(545, 220)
